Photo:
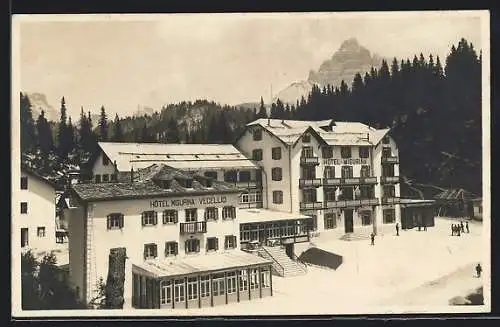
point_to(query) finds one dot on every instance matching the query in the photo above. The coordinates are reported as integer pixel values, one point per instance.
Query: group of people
(457, 229)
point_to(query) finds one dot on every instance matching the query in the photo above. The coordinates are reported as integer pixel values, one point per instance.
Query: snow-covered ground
(399, 274)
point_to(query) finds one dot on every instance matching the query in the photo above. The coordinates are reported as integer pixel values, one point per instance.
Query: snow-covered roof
(180, 156)
(332, 132)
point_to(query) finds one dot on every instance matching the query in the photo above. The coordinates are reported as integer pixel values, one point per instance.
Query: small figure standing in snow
(467, 226)
(397, 229)
(425, 227)
(478, 270)
(372, 236)
(458, 230)
(452, 229)
(462, 226)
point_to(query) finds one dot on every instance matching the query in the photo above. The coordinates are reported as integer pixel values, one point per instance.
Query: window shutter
(155, 250)
(216, 243)
(216, 210)
(186, 246)
(122, 218)
(145, 252)
(234, 242)
(166, 248)
(155, 219)
(197, 245)
(176, 216)
(206, 245)
(108, 221)
(176, 248)
(142, 219)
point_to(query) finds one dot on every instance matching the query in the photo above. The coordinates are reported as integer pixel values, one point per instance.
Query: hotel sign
(190, 202)
(350, 161)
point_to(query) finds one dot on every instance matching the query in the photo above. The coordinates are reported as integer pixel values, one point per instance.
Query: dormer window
(385, 140)
(105, 160)
(209, 182)
(188, 183)
(164, 183)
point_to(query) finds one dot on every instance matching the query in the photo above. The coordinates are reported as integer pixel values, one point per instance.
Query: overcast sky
(228, 58)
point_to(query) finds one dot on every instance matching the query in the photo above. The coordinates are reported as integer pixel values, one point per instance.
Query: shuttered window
(192, 246)
(150, 251)
(212, 244)
(115, 221)
(276, 174)
(170, 217)
(171, 249)
(345, 152)
(149, 218)
(211, 213)
(229, 212)
(230, 242)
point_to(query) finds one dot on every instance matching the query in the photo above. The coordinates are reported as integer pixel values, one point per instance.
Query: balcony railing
(193, 227)
(309, 160)
(246, 184)
(315, 182)
(390, 200)
(331, 181)
(350, 181)
(390, 160)
(311, 205)
(368, 180)
(351, 203)
(389, 179)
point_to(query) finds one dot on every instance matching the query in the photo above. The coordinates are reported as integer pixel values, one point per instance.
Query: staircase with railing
(282, 264)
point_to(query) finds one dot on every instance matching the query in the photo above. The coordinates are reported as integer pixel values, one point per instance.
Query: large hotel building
(192, 217)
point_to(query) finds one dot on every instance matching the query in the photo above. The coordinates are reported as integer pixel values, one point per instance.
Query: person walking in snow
(458, 230)
(462, 226)
(397, 229)
(478, 270)
(467, 226)
(452, 229)
(372, 236)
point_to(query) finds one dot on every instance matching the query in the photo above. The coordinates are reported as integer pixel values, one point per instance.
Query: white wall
(133, 235)
(41, 198)
(99, 168)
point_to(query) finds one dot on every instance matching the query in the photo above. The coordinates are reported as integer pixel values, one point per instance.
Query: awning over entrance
(199, 264)
(265, 215)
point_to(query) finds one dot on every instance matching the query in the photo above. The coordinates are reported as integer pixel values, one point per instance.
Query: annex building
(181, 234)
(37, 219)
(345, 175)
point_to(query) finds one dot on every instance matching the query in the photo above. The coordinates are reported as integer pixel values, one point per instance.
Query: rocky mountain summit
(349, 59)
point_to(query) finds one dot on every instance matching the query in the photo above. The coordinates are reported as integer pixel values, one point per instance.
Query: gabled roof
(455, 194)
(144, 186)
(331, 132)
(181, 156)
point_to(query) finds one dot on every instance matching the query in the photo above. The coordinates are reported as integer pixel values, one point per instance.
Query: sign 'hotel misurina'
(350, 161)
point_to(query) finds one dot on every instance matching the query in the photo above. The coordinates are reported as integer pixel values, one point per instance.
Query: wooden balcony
(311, 205)
(390, 160)
(309, 160)
(351, 203)
(193, 227)
(350, 181)
(331, 182)
(389, 179)
(368, 180)
(247, 184)
(391, 200)
(313, 182)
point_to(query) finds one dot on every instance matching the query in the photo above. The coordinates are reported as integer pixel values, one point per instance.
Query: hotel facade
(345, 175)
(180, 232)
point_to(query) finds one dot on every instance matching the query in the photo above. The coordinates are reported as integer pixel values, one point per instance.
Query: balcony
(390, 160)
(350, 181)
(331, 181)
(309, 160)
(351, 203)
(311, 205)
(247, 184)
(193, 227)
(391, 200)
(368, 180)
(389, 179)
(313, 182)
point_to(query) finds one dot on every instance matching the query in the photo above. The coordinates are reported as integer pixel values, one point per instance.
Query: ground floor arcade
(221, 280)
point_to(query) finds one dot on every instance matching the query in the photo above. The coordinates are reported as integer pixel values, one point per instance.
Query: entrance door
(24, 237)
(348, 221)
(289, 250)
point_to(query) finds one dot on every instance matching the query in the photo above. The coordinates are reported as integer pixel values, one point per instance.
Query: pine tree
(394, 68)
(62, 135)
(28, 137)
(225, 130)
(117, 130)
(71, 136)
(262, 110)
(45, 140)
(103, 125)
(172, 133)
